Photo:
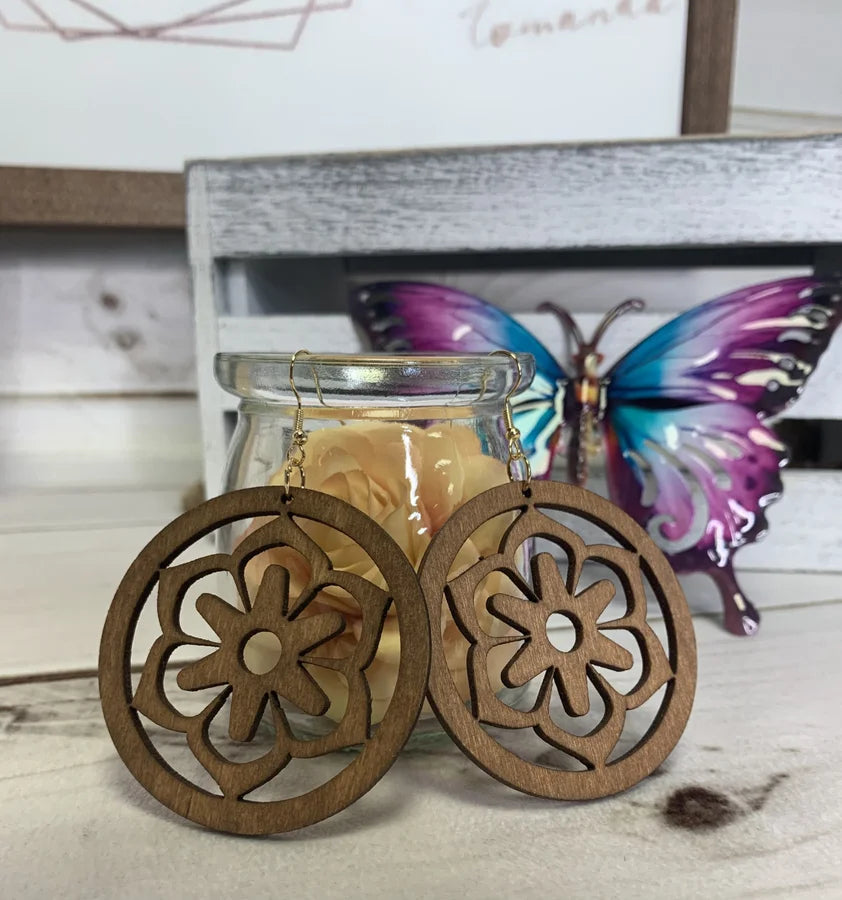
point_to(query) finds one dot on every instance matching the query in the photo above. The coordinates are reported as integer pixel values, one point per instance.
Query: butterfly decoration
(681, 417)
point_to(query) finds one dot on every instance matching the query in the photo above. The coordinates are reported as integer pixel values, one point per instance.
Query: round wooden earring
(564, 674)
(222, 666)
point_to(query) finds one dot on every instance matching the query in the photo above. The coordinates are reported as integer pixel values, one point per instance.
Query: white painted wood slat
(78, 442)
(94, 313)
(679, 193)
(56, 510)
(763, 738)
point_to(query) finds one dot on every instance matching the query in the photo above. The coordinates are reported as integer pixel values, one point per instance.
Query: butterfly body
(680, 418)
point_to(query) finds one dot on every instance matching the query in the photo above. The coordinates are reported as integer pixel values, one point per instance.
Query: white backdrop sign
(127, 85)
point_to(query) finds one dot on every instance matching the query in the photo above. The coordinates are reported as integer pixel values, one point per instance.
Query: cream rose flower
(409, 480)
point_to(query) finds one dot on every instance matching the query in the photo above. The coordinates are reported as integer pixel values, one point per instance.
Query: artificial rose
(409, 480)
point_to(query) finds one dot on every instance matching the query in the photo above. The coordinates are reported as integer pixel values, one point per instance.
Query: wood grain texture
(100, 442)
(90, 198)
(54, 603)
(708, 66)
(677, 193)
(636, 560)
(95, 313)
(762, 752)
(300, 635)
(209, 298)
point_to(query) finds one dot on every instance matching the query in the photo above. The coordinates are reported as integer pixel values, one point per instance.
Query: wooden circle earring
(284, 607)
(566, 689)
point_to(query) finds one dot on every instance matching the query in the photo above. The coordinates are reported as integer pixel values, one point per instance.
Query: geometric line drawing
(254, 24)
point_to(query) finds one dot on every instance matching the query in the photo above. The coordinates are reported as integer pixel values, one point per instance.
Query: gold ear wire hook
(296, 454)
(516, 454)
(292, 361)
(318, 385)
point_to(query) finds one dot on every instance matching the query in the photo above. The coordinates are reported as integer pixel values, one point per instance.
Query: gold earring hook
(296, 454)
(292, 361)
(516, 453)
(516, 384)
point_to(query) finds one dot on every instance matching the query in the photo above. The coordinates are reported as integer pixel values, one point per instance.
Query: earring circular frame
(458, 718)
(134, 745)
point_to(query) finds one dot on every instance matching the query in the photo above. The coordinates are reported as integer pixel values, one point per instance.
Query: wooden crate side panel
(687, 193)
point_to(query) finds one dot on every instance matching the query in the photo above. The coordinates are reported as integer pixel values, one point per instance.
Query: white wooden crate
(276, 244)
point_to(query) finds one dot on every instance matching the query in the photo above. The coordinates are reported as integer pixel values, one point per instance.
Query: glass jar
(407, 439)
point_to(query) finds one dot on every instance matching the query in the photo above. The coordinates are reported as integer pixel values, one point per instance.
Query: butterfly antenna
(568, 323)
(635, 304)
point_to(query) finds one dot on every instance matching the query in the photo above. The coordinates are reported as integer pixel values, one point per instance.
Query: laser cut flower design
(301, 630)
(288, 678)
(567, 668)
(569, 672)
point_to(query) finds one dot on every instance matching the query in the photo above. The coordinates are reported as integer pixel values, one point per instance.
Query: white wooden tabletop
(749, 804)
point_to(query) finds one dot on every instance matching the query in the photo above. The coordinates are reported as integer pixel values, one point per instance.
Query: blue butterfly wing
(687, 451)
(399, 316)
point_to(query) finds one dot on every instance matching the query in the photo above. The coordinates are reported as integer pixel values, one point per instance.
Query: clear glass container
(407, 439)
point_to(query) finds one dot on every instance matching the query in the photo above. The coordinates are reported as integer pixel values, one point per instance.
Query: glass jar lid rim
(380, 379)
(383, 359)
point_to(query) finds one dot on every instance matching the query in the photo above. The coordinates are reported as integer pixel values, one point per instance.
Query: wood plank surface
(102, 443)
(97, 312)
(91, 198)
(762, 753)
(24, 512)
(678, 193)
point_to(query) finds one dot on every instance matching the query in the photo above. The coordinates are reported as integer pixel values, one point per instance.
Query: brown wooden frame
(709, 65)
(31, 196)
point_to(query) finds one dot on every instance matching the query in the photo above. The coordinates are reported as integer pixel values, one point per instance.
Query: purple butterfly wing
(687, 452)
(698, 477)
(756, 347)
(399, 316)
(414, 315)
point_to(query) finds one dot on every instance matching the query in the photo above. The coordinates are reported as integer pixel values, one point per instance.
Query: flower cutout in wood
(299, 635)
(560, 586)
(287, 679)
(568, 669)
(299, 628)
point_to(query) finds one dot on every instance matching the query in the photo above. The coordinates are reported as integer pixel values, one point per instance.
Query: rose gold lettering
(475, 14)
(598, 15)
(537, 28)
(501, 32)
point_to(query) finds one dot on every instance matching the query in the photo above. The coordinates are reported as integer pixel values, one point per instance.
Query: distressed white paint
(77, 442)
(764, 732)
(45, 510)
(688, 193)
(94, 313)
